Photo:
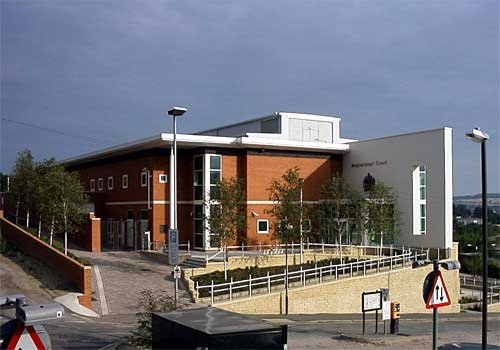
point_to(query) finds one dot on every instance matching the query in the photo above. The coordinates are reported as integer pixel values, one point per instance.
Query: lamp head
(477, 135)
(177, 111)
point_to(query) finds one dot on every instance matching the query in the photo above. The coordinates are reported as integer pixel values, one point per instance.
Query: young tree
(286, 209)
(23, 183)
(340, 204)
(227, 217)
(383, 213)
(62, 200)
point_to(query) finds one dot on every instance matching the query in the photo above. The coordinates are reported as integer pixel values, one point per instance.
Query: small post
(197, 291)
(250, 285)
(351, 268)
(284, 278)
(260, 247)
(336, 272)
(189, 247)
(212, 293)
(301, 279)
(378, 265)
(321, 275)
(242, 249)
(231, 289)
(364, 267)
(331, 272)
(268, 283)
(315, 270)
(391, 262)
(438, 254)
(323, 246)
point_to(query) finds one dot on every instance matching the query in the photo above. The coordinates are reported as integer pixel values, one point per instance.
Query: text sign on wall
(173, 247)
(371, 301)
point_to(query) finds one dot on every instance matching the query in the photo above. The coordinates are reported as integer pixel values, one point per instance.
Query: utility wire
(55, 131)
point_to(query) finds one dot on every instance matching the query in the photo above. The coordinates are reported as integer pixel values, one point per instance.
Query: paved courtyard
(125, 274)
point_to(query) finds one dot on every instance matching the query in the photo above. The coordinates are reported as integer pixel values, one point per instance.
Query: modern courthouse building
(130, 185)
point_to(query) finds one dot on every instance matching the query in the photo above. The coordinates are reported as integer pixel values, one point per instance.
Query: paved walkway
(125, 274)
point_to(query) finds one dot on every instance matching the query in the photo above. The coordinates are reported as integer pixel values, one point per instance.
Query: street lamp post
(174, 112)
(301, 182)
(481, 137)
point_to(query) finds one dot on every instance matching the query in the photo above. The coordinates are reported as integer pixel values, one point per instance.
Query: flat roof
(186, 141)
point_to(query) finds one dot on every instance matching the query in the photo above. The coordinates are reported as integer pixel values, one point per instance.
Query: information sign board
(372, 301)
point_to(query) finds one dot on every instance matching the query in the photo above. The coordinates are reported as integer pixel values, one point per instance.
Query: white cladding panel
(310, 130)
(393, 160)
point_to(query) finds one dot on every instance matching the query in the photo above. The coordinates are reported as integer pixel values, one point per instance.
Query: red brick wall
(89, 236)
(76, 274)
(255, 169)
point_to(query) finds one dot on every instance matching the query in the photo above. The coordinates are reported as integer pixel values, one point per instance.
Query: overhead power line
(55, 131)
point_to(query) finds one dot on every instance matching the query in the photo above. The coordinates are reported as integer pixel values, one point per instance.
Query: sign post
(435, 296)
(177, 274)
(371, 301)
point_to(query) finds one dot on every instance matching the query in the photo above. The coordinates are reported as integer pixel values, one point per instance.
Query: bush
(148, 303)
(468, 300)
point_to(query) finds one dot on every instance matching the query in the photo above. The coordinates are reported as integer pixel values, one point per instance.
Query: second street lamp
(481, 137)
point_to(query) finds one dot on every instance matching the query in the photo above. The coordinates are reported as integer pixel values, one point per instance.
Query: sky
(78, 76)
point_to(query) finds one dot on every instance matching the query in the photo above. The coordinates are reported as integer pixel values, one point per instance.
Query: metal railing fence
(303, 277)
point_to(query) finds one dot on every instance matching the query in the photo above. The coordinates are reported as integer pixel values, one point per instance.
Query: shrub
(148, 303)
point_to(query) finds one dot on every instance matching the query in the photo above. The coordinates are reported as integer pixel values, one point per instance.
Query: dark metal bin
(213, 328)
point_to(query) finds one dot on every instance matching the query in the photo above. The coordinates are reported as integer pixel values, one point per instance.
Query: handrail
(208, 258)
(303, 275)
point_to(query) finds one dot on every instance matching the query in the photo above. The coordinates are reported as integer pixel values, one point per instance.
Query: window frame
(125, 181)
(92, 185)
(144, 175)
(262, 232)
(165, 176)
(112, 182)
(99, 184)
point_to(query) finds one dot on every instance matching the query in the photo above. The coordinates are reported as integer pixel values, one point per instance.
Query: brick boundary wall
(89, 237)
(76, 274)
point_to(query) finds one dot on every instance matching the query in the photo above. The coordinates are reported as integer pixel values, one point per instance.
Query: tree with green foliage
(383, 214)
(285, 195)
(339, 205)
(69, 200)
(23, 184)
(227, 218)
(47, 189)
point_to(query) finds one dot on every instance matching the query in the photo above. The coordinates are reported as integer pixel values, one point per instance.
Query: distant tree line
(463, 211)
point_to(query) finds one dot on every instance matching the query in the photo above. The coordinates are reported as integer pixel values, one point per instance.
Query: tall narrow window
(419, 200)
(144, 179)
(215, 175)
(110, 182)
(99, 184)
(125, 181)
(92, 185)
(198, 178)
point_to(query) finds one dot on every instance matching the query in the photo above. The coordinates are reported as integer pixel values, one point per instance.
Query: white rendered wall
(392, 160)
